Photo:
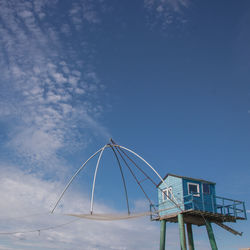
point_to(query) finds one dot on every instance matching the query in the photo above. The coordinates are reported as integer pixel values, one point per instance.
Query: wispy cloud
(166, 12)
(47, 94)
(84, 11)
(23, 195)
(25, 204)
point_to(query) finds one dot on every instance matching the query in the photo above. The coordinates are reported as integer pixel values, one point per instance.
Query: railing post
(163, 235)
(223, 206)
(212, 201)
(235, 212)
(244, 208)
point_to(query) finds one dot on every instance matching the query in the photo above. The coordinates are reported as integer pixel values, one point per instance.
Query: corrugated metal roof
(185, 177)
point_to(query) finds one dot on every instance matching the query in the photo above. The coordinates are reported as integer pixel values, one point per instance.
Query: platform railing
(207, 203)
(215, 204)
(230, 207)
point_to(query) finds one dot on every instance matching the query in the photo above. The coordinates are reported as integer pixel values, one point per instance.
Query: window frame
(198, 189)
(166, 193)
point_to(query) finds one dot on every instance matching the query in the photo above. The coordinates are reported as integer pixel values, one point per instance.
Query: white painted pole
(93, 186)
(73, 177)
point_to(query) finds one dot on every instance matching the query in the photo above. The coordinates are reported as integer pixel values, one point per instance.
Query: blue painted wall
(204, 202)
(177, 189)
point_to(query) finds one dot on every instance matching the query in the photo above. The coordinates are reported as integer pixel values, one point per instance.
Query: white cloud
(166, 12)
(26, 200)
(175, 5)
(23, 195)
(58, 77)
(43, 89)
(37, 144)
(84, 11)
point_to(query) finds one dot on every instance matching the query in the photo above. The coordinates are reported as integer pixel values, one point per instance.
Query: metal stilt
(211, 236)
(190, 236)
(163, 235)
(182, 232)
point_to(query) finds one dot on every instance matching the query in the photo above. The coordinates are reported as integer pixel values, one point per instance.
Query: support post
(190, 236)
(182, 232)
(211, 235)
(163, 235)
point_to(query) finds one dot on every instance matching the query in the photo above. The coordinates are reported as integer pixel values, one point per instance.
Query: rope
(39, 229)
(99, 217)
(24, 216)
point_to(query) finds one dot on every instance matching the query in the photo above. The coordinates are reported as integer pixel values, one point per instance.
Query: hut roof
(185, 177)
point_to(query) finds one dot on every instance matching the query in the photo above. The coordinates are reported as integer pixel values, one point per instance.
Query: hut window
(206, 188)
(167, 194)
(193, 188)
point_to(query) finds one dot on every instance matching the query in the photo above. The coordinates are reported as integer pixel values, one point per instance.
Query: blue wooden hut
(189, 193)
(194, 201)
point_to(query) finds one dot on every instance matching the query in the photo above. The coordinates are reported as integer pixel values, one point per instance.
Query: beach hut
(193, 201)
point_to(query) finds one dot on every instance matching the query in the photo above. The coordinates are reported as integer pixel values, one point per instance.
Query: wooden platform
(198, 218)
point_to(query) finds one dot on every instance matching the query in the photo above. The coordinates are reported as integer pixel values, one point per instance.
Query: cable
(170, 198)
(39, 229)
(135, 178)
(24, 216)
(148, 177)
(98, 217)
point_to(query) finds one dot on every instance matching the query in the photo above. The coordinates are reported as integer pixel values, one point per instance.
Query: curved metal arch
(97, 166)
(73, 177)
(96, 169)
(129, 150)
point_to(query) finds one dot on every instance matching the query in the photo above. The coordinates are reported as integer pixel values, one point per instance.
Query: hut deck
(199, 218)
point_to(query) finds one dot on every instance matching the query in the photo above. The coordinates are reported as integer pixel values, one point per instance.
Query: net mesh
(110, 217)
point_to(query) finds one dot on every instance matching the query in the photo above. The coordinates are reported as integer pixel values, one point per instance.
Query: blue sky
(166, 78)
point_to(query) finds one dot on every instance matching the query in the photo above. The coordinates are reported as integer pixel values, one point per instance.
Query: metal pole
(235, 211)
(73, 177)
(163, 235)
(244, 208)
(93, 186)
(211, 235)
(182, 232)
(190, 236)
(172, 199)
(212, 201)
